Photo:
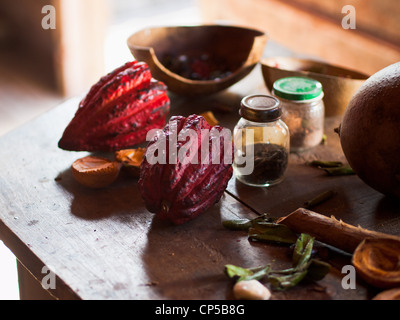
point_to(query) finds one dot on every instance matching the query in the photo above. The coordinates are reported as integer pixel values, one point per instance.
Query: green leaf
(339, 171)
(234, 271)
(245, 224)
(257, 275)
(272, 232)
(325, 196)
(318, 269)
(240, 224)
(284, 279)
(240, 274)
(303, 249)
(326, 164)
(287, 281)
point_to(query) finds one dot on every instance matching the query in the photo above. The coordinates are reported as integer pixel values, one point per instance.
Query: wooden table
(104, 244)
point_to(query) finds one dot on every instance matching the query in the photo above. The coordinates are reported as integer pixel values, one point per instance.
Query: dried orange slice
(95, 172)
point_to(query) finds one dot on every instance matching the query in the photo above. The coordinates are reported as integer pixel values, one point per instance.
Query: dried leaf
(272, 232)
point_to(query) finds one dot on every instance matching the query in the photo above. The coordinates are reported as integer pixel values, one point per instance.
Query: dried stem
(330, 230)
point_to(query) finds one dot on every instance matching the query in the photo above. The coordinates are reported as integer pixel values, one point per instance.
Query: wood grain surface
(104, 244)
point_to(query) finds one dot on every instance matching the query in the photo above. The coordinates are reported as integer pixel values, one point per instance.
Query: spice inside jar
(261, 142)
(270, 163)
(303, 110)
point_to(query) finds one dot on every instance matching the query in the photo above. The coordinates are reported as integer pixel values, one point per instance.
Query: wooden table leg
(30, 288)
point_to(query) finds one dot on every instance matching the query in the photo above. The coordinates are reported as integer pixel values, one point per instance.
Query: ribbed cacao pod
(118, 111)
(179, 189)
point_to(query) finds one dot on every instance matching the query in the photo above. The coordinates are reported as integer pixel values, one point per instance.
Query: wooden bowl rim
(266, 63)
(261, 34)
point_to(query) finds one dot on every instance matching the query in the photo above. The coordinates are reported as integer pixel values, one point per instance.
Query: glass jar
(262, 142)
(303, 110)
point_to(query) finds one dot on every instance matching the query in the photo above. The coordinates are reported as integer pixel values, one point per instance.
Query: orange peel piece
(131, 159)
(377, 261)
(391, 294)
(95, 172)
(210, 118)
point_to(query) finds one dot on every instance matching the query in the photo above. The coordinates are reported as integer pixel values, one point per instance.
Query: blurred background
(40, 68)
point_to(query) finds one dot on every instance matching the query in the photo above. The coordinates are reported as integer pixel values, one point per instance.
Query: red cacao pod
(118, 111)
(185, 170)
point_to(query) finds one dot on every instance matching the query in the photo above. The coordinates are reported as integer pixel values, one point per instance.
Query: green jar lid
(298, 88)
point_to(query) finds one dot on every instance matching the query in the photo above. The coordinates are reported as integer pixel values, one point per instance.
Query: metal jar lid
(260, 108)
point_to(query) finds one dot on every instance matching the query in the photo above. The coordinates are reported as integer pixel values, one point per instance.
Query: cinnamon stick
(330, 230)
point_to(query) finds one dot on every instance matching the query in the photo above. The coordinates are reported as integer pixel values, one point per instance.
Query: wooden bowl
(237, 49)
(339, 84)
